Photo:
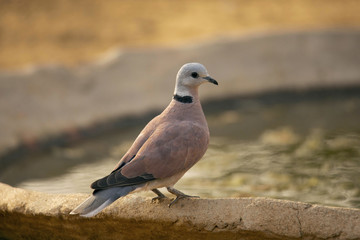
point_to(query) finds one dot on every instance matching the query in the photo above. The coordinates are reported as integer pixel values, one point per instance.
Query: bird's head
(190, 76)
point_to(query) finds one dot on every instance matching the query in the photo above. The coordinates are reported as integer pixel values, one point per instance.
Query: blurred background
(80, 79)
(72, 33)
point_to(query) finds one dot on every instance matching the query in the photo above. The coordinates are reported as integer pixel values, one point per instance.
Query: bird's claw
(158, 199)
(181, 197)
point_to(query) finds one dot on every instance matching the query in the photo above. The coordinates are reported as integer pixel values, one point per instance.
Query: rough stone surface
(27, 214)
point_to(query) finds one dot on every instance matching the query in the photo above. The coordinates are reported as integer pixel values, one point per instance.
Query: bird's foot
(158, 199)
(179, 195)
(160, 196)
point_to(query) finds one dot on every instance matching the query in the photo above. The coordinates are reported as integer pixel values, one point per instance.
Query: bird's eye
(194, 74)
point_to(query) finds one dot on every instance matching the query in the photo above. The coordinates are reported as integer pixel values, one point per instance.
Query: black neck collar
(184, 99)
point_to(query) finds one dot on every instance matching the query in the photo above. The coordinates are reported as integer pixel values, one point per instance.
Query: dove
(168, 146)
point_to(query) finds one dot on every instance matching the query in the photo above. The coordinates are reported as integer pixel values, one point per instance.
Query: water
(297, 146)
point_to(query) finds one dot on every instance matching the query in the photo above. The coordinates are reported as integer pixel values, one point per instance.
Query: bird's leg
(179, 195)
(159, 197)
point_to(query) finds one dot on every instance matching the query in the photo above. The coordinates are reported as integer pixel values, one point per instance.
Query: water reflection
(297, 147)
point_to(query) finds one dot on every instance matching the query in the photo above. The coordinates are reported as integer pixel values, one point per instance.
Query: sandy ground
(73, 32)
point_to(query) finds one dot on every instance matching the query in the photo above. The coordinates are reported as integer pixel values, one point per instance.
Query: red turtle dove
(168, 146)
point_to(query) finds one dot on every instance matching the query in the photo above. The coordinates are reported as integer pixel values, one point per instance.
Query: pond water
(302, 146)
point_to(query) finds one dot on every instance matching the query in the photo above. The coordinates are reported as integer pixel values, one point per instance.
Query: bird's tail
(100, 200)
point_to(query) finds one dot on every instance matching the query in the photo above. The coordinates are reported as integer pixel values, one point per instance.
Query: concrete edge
(23, 211)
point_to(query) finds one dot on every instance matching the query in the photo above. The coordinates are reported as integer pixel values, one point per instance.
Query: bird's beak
(209, 79)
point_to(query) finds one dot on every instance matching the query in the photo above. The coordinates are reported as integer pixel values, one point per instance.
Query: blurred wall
(73, 32)
(48, 100)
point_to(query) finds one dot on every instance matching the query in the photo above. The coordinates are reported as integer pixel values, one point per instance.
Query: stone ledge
(27, 214)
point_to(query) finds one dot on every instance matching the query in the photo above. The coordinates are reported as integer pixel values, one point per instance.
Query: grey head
(190, 77)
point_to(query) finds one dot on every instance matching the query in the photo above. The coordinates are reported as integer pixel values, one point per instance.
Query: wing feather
(171, 149)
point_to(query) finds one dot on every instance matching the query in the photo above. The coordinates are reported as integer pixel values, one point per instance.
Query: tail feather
(100, 200)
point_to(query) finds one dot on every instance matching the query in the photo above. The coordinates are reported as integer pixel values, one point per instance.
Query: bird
(169, 145)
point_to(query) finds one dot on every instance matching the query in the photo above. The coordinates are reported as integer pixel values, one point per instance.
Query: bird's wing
(116, 179)
(171, 149)
(138, 143)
